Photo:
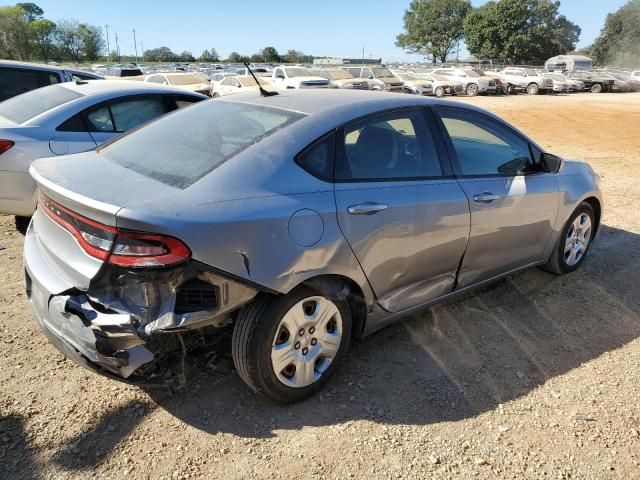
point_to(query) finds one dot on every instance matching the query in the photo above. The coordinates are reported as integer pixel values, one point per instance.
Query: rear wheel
(285, 348)
(532, 89)
(472, 89)
(440, 92)
(596, 88)
(215, 95)
(574, 243)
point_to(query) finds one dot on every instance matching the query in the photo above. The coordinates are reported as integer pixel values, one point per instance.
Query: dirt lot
(535, 377)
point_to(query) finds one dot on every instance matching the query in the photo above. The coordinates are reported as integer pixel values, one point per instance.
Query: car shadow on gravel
(16, 455)
(448, 363)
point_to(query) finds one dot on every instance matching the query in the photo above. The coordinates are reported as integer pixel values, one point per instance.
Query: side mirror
(370, 77)
(550, 163)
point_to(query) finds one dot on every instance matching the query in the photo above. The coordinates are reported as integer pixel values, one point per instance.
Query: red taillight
(5, 145)
(117, 247)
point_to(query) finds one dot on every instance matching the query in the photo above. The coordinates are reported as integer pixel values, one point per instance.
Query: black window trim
(454, 156)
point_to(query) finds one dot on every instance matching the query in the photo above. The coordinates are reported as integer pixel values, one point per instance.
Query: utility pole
(363, 56)
(135, 44)
(117, 50)
(142, 49)
(106, 27)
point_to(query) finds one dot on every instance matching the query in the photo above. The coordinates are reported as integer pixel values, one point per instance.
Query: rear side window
(387, 147)
(317, 159)
(177, 156)
(124, 115)
(14, 81)
(25, 107)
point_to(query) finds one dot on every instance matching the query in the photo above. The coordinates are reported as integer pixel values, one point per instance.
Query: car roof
(95, 87)
(35, 66)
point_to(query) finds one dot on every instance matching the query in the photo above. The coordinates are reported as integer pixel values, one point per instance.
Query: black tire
(596, 88)
(253, 338)
(533, 89)
(215, 95)
(557, 263)
(22, 223)
(440, 92)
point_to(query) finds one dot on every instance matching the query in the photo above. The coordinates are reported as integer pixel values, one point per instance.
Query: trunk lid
(97, 193)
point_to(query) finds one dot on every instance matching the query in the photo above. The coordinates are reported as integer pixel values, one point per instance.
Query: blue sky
(331, 27)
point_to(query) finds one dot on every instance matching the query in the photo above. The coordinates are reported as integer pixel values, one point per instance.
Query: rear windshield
(24, 107)
(185, 79)
(184, 146)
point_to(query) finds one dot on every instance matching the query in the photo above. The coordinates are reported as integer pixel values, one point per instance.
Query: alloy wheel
(577, 240)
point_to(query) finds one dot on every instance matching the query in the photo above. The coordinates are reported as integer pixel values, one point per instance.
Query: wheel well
(343, 288)
(597, 209)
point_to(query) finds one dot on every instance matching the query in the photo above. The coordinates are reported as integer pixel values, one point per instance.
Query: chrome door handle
(486, 197)
(367, 208)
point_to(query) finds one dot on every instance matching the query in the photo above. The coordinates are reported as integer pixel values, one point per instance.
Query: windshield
(530, 72)
(472, 73)
(406, 77)
(250, 82)
(181, 159)
(185, 79)
(297, 72)
(338, 74)
(381, 72)
(24, 107)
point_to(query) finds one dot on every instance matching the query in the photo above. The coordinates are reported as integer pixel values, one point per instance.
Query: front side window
(396, 145)
(167, 152)
(484, 147)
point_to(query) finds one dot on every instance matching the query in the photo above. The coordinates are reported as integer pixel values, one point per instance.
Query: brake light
(6, 145)
(115, 246)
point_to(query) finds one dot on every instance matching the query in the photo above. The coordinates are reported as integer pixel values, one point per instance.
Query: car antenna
(263, 92)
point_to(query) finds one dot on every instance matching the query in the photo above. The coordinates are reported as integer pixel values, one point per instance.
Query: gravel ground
(534, 377)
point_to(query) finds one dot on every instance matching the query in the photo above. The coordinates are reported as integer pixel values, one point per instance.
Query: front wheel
(596, 88)
(533, 89)
(440, 92)
(574, 243)
(285, 348)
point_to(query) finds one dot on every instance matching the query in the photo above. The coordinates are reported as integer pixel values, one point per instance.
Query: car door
(404, 215)
(114, 117)
(513, 201)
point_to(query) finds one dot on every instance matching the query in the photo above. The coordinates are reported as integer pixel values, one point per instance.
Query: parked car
(472, 82)
(618, 86)
(380, 78)
(572, 85)
(593, 82)
(219, 76)
(192, 82)
(560, 85)
(124, 71)
(297, 77)
(237, 84)
(635, 74)
(502, 85)
(68, 118)
(528, 80)
(273, 225)
(340, 78)
(633, 82)
(414, 84)
(441, 85)
(20, 77)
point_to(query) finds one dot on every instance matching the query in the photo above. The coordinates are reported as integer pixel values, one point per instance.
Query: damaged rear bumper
(123, 321)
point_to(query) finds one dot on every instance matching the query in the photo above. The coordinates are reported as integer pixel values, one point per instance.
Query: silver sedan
(299, 221)
(69, 118)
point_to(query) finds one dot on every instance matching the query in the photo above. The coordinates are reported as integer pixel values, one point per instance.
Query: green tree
(160, 54)
(519, 31)
(293, 56)
(209, 56)
(43, 34)
(69, 38)
(92, 41)
(15, 40)
(270, 55)
(214, 55)
(32, 11)
(187, 57)
(619, 40)
(433, 28)
(235, 57)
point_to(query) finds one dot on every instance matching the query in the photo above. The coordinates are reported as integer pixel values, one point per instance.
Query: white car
(70, 118)
(193, 82)
(472, 82)
(297, 77)
(219, 76)
(528, 80)
(413, 84)
(563, 83)
(237, 84)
